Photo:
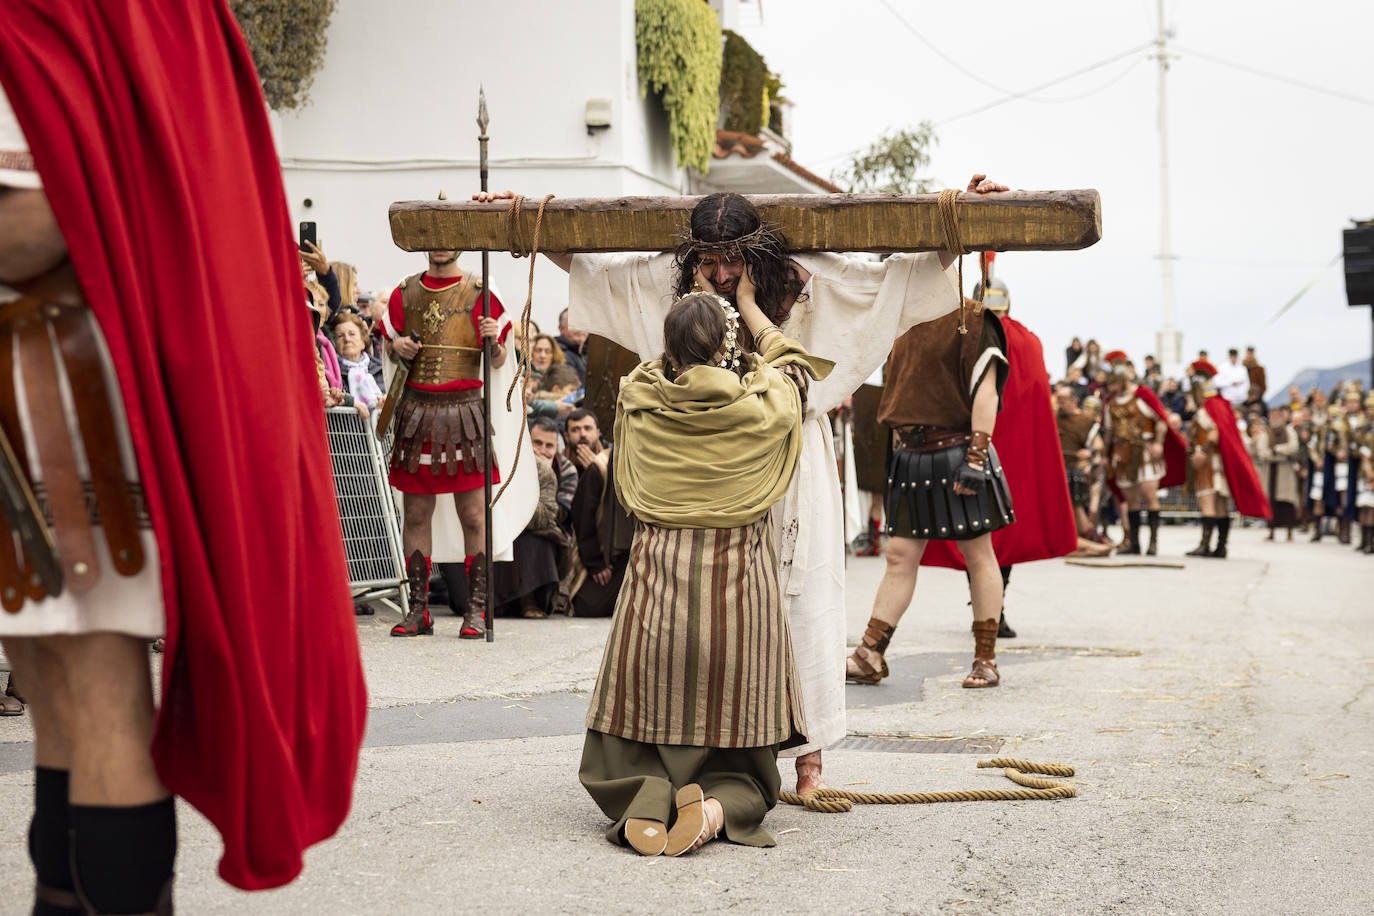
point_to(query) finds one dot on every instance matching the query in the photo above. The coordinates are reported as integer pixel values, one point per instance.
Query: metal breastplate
(443, 319)
(1127, 423)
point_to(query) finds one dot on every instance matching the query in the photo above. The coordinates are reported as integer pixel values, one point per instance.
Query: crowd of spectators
(572, 556)
(1322, 425)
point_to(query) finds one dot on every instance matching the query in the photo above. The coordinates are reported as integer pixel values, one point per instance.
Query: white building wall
(392, 116)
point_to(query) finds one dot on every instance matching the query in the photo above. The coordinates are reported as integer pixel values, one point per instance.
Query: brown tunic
(1075, 431)
(934, 371)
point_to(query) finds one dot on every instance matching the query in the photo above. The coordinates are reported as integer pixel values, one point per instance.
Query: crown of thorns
(762, 240)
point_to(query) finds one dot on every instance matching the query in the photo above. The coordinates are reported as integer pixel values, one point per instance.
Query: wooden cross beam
(1007, 221)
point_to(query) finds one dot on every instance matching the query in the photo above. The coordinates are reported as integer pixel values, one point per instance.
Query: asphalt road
(1219, 717)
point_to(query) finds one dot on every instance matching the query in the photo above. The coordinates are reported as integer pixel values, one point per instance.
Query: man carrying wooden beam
(845, 309)
(848, 310)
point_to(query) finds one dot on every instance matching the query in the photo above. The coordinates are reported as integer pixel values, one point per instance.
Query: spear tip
(482, 119)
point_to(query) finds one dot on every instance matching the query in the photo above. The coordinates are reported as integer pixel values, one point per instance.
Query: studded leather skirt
(83, 557)
(921, 502)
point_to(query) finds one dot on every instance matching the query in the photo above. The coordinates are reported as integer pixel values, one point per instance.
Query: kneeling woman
(698, 687)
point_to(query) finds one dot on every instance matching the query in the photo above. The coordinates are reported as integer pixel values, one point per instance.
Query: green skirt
(632, 779)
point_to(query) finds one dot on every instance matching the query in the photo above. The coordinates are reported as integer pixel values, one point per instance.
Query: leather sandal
(646, 837)
(984, 656)
(695, 825)
(11, 702)
(859, 668)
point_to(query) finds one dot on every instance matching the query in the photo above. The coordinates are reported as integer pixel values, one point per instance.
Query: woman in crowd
(350, 340)
(1072, 352)
(688, 714)
(544, 353)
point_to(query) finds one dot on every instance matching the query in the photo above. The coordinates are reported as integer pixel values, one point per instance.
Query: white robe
(852, 312)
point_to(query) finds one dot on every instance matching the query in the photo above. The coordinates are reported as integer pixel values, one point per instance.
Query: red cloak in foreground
(1175, 448)
(1027, 441)
(1241, 476)
(147, 125)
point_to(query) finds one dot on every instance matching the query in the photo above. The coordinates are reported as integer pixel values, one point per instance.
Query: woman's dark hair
(693, 333)
(724, 217)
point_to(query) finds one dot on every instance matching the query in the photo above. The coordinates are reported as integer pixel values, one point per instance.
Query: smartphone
(308, 235)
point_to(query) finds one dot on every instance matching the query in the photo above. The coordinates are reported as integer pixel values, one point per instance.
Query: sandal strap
(877, 635)
(867, 669)
(985, 670)
(985, 639)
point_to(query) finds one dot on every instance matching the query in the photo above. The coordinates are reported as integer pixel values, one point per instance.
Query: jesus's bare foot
(809, 773)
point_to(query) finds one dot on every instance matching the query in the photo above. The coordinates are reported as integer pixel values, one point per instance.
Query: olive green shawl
(710, 449)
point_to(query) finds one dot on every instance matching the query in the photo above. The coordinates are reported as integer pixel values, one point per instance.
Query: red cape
(1027, 441)
(1175, 448)
(1241, 476)
(147, 125)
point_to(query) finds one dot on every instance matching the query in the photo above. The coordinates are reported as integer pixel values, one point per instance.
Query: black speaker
(1359, 264)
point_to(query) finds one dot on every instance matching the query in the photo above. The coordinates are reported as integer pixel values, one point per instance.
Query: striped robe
(699, 652)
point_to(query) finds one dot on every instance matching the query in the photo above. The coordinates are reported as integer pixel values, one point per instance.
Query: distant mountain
(1325, 379)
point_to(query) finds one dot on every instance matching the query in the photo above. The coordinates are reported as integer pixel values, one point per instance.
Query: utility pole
(1169, 339)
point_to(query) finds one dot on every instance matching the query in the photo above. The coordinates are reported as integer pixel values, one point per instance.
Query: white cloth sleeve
(857, 308)
(622, 297)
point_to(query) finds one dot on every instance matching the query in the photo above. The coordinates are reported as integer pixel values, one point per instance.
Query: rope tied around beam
(522, 365)
(949, 220)
(838, 801)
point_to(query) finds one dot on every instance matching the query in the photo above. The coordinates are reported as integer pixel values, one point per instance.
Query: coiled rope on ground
(838, 801)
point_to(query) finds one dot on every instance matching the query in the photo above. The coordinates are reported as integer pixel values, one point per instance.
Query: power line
(1022, 95)
(1255, 71)
(938, 53)
(1054, 82)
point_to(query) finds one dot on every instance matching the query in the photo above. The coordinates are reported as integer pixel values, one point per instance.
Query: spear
(487, 351)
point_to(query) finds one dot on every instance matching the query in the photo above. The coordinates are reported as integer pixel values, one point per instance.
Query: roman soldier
(1219, 465)
(1080, 445)
(1362, 450)
(1026, 435)
(435, 323)
(1144, 454)
(943, 392)
(165, 467)
(1337, 495)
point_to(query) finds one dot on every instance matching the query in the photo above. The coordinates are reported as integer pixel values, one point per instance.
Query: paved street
(1219, 716)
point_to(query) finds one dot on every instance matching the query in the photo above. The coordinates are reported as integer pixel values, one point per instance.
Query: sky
(1264, 174)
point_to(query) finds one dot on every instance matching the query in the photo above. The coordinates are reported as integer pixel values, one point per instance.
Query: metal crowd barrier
(367, 512)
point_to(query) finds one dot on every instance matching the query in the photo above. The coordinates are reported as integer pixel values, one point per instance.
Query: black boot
(1205, 548)
(1132, 548)
(1223, 533)
(1317, 520)
(1004, 631)
(1153, 516)
(1343, 531)
(122, 856)
(475, 620)
(417, 621)
(50, 845)
(1367, 539)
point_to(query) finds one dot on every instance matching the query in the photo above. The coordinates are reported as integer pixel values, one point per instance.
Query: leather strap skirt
(921, 502)
(63, 419)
